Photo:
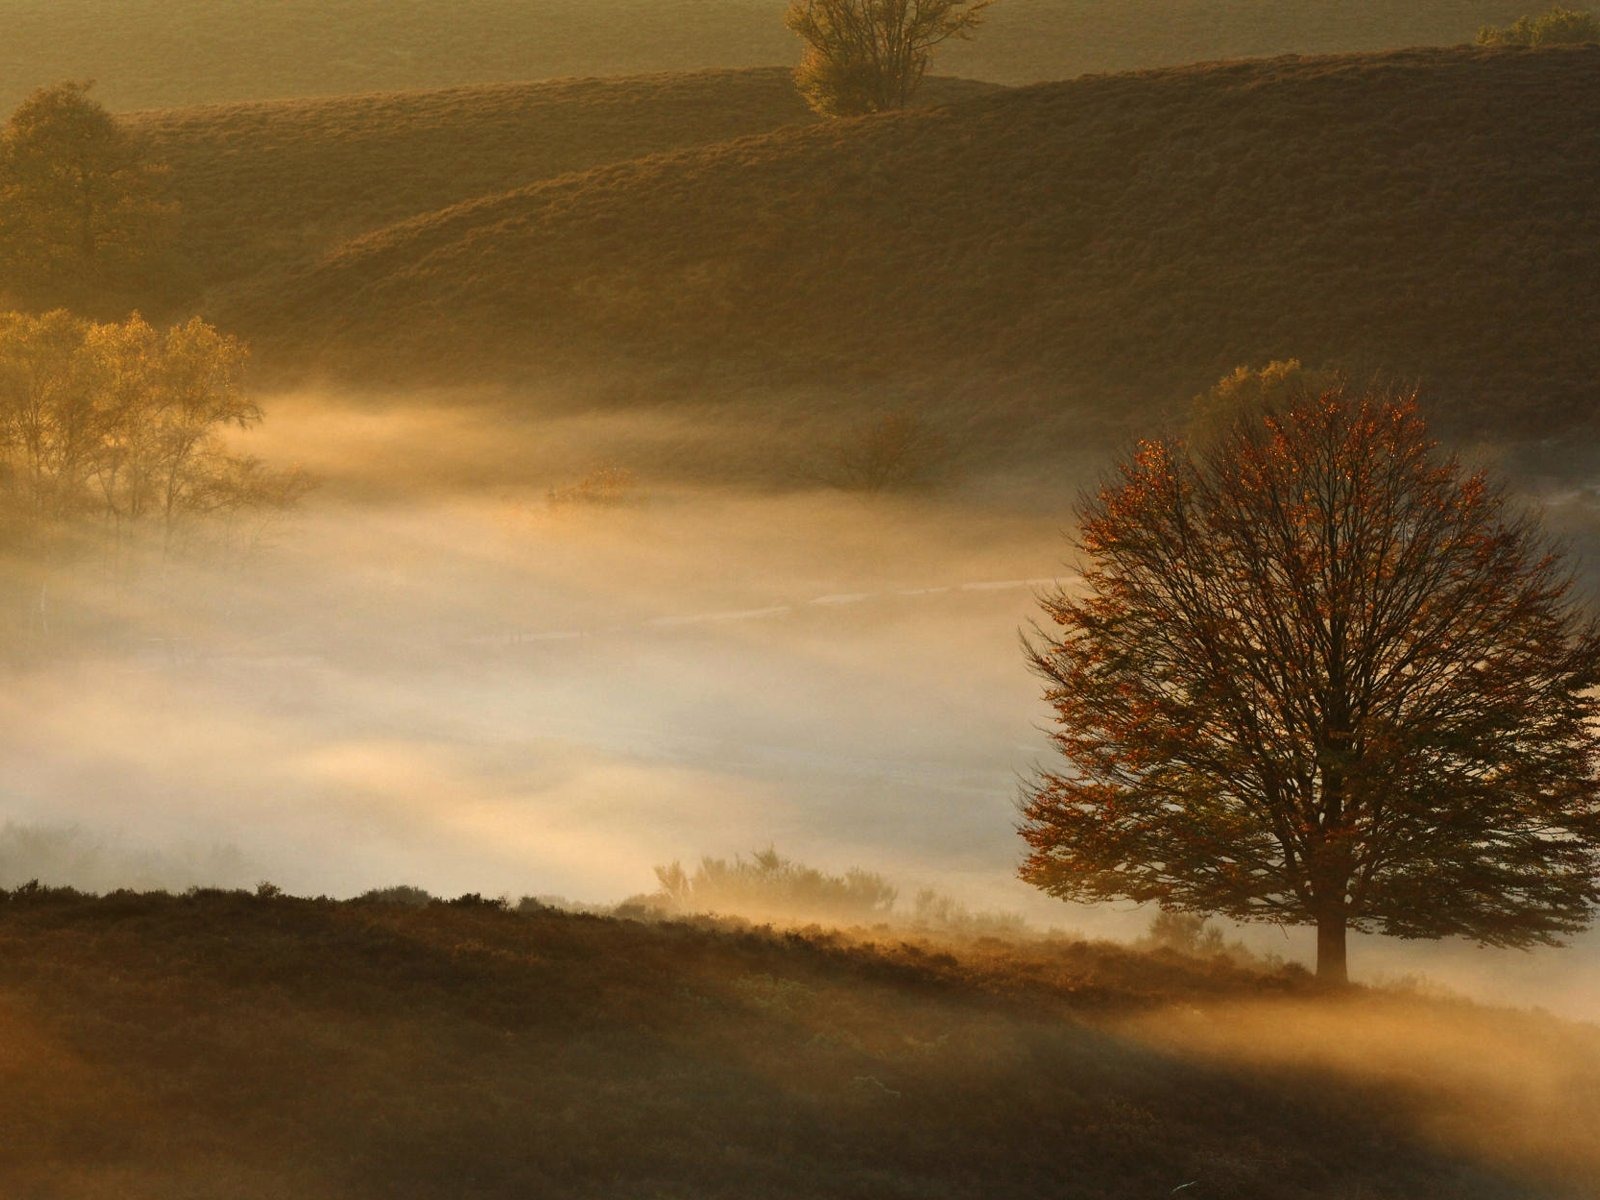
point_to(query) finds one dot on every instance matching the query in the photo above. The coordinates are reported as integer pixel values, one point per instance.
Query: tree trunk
(1332, 968)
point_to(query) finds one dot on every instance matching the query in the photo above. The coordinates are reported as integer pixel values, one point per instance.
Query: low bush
(1558, 27)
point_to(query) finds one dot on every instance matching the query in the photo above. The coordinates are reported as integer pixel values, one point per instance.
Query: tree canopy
(1318, 673)
(120, 425)
(80, 209)
(865, 56)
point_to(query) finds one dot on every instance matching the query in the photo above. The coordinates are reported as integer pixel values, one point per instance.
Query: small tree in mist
(109, 432)
(1320, 674)
(80, 209)
(865, 56)
(122, 423)
(896, 451)
(1558, 27)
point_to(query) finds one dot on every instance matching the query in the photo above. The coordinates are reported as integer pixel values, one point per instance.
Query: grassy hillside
(266, 184)
(1431, 214)
(152, 53)
(230, 1045)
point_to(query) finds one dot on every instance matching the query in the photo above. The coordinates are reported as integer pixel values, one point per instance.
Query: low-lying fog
(433, 674)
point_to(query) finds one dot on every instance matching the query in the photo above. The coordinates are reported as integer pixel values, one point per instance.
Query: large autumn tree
(1320, 673)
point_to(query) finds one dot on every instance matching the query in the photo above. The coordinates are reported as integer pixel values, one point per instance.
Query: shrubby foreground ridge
(262, 1044)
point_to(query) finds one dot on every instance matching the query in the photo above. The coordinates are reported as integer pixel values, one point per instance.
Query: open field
(149, 53)
(224, 1044)
(1110, 243)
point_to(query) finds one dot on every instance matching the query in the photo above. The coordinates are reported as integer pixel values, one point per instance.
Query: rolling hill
(159, 53)
(266, 184)
(259, 1046)
(1118, 241)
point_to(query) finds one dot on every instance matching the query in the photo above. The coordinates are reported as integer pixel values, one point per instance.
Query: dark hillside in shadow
(1126, 239)
(263, 186)
(227, 1044)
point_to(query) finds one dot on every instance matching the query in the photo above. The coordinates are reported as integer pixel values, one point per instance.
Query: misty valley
(845, 598)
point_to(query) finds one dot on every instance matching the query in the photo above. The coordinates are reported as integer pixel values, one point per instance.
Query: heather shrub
(1558, 27)
(402, 894)
(768, 886)
(896, 451)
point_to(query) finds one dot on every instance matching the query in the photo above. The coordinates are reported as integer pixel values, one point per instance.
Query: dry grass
(229, 1045)
(262, 185)
(149, 53)
(1431, 214)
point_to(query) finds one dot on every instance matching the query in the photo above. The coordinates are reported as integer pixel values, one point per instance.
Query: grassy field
(223, 1044)
(1121, 240)
(149, 53)
(263, 185)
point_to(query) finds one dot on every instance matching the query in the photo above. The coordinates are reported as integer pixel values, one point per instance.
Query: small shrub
(1558, 27)
(938, 913)
(894, 452)
(402, 894)
(607, 487)
(767, 885)
(1186, 933)
(1248, 392)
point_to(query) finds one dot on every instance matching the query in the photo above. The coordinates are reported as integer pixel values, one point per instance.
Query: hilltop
(264, 185)
(159, 53)
(261, 1046)
(1109, 242)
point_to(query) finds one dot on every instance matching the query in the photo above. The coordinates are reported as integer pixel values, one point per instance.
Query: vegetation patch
(258, 1045)
(1122, 241)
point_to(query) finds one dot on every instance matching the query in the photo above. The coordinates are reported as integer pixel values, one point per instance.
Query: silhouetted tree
(1319, 674)
(867, 56)
(79, 208)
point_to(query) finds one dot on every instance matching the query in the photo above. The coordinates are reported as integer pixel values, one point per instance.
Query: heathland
(149, 53)
(592, 372)
(260, 1046)
(267, 186)
(1109, 244)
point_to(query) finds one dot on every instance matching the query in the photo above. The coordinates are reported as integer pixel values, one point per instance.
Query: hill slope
(228, 1045)
(264, 184)
(1431, 214)
(150, 53)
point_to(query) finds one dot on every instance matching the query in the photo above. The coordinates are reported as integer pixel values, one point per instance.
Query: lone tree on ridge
(865, 56)
(1320, 674)
(80, 208)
